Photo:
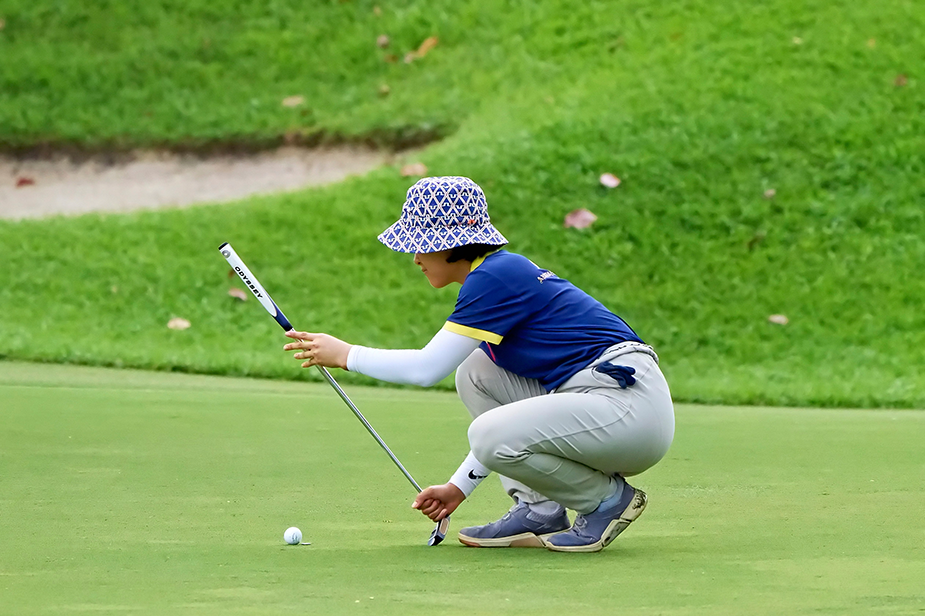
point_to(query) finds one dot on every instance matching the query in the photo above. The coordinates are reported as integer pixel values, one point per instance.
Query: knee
(485, 443)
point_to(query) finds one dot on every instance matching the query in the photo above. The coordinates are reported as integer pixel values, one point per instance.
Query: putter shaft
(343, 396)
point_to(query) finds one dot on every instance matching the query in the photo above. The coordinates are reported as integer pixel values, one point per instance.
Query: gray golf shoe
(518, 528)
(593, 531)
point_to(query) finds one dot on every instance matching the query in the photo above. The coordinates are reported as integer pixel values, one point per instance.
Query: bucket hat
(442, 213)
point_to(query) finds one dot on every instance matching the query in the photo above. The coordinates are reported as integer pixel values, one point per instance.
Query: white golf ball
(292, 536)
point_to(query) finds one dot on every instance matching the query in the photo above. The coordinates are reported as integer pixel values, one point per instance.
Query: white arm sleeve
(423, 367)
(469, 475)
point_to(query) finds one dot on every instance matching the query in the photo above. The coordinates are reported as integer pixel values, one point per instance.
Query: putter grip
(251, 282)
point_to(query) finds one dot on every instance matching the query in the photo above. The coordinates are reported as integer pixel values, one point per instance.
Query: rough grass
(699, 108)
(158, 493)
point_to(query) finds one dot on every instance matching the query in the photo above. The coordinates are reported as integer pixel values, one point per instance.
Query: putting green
(139, 492)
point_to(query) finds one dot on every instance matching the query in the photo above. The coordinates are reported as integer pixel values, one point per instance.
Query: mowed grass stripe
(165, 499)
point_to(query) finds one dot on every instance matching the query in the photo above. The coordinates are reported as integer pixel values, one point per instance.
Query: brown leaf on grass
(384, 89)
(24, 181)
(232, 273)
(428, 44)
(178, 323)
(414, 169)
(778, 319)
(237, 294)
(383, 41)
(2, 24)
(901, 80)
(610, 180)
(293, 101)
(769, 193)
(391, 58)
(377, 11)
(871, 43)
(579, 219)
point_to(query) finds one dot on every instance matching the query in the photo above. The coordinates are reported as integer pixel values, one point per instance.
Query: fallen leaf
(377, 11)
(900, 80)
(610, 180)
(384, 90)
(237, 293)
(778, 319)
(579, 219)
(797, 40)
(871, 43)
(2, 24)
(769, 193)
(232, 273)
(383, 41)
(414, 169)
(293, 101)
(24, 181)
(391, 58)
(428, 44)
(178, 323)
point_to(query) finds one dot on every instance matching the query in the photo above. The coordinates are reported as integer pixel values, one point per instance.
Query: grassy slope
(698, 107)
(157, 493)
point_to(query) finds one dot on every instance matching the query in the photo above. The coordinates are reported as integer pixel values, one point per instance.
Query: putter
(250, 281)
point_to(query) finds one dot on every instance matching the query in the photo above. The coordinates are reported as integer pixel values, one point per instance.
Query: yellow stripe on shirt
(479, 260)
(471, 332)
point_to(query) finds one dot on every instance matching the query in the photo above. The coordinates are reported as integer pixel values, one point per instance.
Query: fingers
(300, 336)
(432, 508)
(304, 341)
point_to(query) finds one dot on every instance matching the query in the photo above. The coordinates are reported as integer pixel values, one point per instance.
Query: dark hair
(470, 252)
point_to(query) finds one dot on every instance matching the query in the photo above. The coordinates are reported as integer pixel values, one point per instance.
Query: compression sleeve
(469, 475)
(423, 367)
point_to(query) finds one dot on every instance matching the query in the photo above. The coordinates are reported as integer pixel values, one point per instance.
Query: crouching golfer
(566, 400)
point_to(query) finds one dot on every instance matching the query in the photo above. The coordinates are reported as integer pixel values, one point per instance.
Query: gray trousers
(566, 445)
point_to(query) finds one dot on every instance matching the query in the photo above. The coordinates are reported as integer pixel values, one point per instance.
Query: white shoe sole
(523, 540)
(632, 511)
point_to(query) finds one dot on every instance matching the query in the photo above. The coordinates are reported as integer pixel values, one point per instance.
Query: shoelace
(581, 522)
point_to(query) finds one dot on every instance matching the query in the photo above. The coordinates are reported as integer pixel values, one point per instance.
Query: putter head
(439, 533)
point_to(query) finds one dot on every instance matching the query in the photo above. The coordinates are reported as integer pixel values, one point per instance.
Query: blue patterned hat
(442, 213)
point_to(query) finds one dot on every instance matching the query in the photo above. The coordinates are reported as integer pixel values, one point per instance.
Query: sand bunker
(33, 188)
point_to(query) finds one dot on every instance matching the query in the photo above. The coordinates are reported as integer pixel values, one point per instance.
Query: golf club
(250, 281)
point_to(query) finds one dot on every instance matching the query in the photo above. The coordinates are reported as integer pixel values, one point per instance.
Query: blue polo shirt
(531, 322)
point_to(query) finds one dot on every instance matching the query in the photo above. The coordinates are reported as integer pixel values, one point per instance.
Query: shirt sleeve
(488, 307)
(423, 367)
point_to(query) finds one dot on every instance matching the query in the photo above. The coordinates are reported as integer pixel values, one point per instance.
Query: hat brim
(402, 237)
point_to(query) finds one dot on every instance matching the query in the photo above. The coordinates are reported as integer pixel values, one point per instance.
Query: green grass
(699, 107)
(155, 493)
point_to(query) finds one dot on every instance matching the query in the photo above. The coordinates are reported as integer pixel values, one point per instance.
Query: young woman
(566, 400)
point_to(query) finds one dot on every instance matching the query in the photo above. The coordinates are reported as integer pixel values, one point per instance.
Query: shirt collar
(479, 261)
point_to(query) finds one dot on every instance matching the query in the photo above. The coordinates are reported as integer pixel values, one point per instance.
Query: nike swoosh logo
(476, 477)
